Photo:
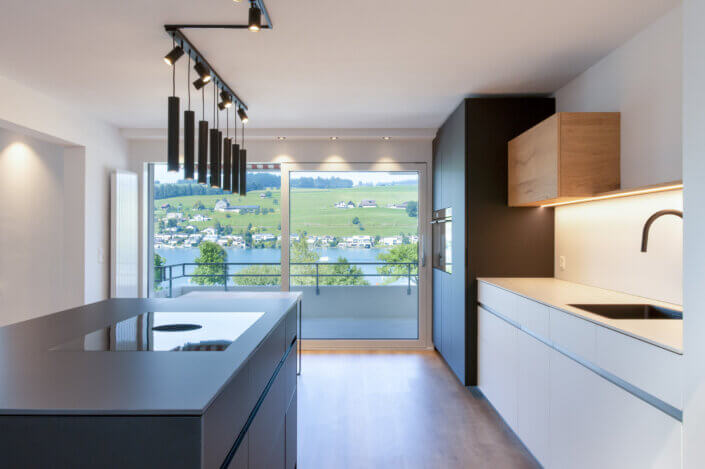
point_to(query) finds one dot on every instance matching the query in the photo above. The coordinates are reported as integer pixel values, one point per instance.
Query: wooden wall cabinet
(570, 155)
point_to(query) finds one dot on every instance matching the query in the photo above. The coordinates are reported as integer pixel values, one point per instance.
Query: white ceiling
(326, 64)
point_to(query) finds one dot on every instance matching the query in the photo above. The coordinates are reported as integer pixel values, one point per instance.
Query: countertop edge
(596, 321)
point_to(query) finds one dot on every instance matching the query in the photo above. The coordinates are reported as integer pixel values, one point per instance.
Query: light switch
(101, 256)
(561, 262)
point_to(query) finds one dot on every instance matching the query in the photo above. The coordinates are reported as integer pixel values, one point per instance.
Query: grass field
(312, 211)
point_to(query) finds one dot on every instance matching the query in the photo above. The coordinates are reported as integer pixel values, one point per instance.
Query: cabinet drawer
(574, 335)
(594, 423)
(267, 357)
(533, 316)
(498, 300)
(291, 318)
(650, 368)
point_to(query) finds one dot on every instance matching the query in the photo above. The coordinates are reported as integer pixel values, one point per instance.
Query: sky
(358, 177)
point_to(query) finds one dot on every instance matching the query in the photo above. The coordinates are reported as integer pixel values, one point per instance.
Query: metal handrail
(225, 275)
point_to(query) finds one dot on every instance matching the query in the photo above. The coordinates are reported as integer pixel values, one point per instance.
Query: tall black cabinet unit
(489, 238)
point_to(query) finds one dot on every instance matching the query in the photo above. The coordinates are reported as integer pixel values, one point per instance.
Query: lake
(181, 255)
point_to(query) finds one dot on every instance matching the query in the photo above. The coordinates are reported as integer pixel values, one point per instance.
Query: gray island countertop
(34, 379)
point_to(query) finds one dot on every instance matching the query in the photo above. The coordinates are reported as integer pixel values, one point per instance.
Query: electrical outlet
(561, 262)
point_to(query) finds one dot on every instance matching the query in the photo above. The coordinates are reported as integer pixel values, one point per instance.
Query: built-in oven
(442, 228)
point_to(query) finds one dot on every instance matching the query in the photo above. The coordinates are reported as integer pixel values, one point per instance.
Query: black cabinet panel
(489, 238)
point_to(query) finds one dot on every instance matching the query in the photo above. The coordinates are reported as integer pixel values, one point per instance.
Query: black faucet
(652, 218)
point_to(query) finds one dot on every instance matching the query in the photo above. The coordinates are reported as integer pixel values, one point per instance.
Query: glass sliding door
(354, 251)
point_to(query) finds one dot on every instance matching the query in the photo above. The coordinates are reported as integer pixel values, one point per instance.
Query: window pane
(206, 239)
(354, 253)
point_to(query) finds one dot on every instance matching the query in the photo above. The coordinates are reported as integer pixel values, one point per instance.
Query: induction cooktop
(166, 332)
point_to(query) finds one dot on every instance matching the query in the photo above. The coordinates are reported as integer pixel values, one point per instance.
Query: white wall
(34, 243)
(601, 243)
(97, 148)
(694, 236)
(601, 240)
(642, 80)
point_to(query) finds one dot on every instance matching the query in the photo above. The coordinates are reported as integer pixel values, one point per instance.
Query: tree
(199, 205)
(412, 209)
(159, 274)
(342, 272)
(345, 274)
(217, 227)
(355, 221)
(407, 253)
(211, 253)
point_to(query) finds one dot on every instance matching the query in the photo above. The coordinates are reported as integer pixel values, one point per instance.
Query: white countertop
(559, 294)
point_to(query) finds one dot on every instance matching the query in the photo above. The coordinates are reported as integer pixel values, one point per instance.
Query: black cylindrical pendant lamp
(235, 169)
(189, 144)
(220, 159)
(173, 135)
(227, 164)
(214, 158)
(254, 17)
(203, 152)
(243, 172)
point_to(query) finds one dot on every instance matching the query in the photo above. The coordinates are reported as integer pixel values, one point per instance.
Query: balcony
(339, 302)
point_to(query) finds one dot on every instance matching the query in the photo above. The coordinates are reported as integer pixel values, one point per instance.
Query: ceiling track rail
(188, 47)
(175, 31)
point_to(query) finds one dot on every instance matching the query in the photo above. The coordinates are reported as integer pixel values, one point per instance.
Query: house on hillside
(262, 237)
(199, 217)
(223, 205)
(368, 203)
(174, 216)
(391, 241)
(245, 208)
(341, 204)
(401, 206)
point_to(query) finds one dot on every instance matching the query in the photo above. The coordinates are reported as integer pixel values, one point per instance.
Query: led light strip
(619, 194)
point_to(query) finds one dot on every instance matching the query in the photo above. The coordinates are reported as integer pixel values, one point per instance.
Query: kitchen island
(177, 383)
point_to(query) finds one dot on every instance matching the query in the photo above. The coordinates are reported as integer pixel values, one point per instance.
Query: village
(177, 229)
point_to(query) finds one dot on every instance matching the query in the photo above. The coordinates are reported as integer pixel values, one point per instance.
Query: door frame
(424, 340)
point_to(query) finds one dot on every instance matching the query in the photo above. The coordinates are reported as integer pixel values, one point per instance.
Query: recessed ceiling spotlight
(255, 17)
(281, 138)
(386, 138)
(203, 72)
(173, 55)
(334, 138)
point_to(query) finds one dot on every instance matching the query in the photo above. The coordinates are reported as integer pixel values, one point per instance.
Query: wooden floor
(396, 410)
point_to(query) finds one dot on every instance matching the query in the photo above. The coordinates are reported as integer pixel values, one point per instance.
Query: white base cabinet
(532, 391)
(565, 413)
(595, 423)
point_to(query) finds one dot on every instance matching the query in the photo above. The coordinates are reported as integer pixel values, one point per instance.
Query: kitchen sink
(631, 311)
